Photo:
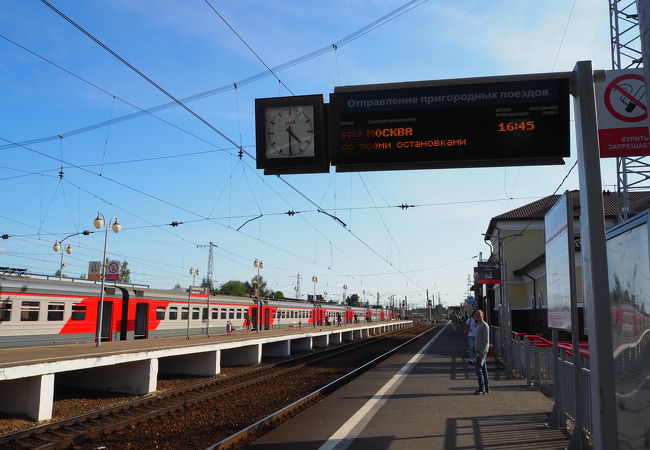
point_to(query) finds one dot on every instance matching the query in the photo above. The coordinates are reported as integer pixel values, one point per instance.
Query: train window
(284, 314)
(195, 313)
(78, 312)
(55, 310)
(231, 313)
(5, 310)
(185, 313)
(239, 313)
(160, 313)
(215, 313)
(173, 312)
(273, 314)
(292, 316)
(29, 311)
(223, 313)
(204, 314)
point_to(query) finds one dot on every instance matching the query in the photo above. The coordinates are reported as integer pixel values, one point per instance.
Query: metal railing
(533, 357)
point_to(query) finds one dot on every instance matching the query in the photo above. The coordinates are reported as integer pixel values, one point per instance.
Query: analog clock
(289, 132)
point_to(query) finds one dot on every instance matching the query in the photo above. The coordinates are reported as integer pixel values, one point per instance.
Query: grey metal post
(100, 311)
(578, 438)
(556, 420)
(189, 298)
(643, 9)
(594, 261)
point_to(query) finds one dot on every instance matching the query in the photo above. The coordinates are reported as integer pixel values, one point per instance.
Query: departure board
(415, 125)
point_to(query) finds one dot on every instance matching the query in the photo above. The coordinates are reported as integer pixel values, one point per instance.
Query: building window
(160, 313)
(29, 311)
(78, 311)
(5, 310)
(55, 311)
(173, 312)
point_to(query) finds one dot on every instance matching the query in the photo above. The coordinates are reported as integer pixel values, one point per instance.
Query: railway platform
(423, 397)
(28, 374)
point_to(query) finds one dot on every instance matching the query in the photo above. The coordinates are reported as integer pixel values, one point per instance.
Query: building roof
(639, 201)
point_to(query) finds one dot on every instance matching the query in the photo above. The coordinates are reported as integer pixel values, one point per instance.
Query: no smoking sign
(622, 114)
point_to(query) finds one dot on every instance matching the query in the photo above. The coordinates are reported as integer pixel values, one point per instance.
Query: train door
(107, 320)
(254, 314)
(267, 317)
(141, 320)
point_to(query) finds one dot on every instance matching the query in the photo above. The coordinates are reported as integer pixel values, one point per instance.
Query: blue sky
(187, 49)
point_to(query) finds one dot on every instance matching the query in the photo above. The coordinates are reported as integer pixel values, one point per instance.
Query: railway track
(76, 430)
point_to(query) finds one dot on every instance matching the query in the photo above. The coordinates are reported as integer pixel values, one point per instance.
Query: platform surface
(431, 407)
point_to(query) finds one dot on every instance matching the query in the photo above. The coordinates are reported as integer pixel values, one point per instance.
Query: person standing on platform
(482, 344)
(470, 331)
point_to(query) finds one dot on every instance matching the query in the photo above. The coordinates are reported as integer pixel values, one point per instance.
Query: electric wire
(108, 123)
(304, 58)
(248, 46)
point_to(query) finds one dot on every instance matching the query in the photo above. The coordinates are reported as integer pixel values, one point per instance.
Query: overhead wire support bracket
(249, 220)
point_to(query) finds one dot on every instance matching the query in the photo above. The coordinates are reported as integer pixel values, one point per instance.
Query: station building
(517, 241)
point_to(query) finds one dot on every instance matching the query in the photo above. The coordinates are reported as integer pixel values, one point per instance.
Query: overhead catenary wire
(304, 58)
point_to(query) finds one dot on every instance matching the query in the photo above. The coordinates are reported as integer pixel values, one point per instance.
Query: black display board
(418, 126)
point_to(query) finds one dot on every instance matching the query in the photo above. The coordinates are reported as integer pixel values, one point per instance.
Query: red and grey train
(38, 310)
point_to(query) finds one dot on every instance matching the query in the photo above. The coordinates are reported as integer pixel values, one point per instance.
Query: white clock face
(289, 132)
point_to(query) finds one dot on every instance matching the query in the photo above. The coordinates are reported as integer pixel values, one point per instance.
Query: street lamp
(314, 279)
(58, 246)
(99, 222)
(194, 272)
(345, 293)
(259, 265)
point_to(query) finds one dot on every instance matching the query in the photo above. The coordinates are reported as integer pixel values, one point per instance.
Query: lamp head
(98, 222)
(57, 246)
(68, 249)
(116, 226)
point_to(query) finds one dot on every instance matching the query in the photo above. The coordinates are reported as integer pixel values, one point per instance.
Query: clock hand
(291, 133)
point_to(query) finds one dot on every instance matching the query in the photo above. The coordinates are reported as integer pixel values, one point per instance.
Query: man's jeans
(470, 348)
(482, 374)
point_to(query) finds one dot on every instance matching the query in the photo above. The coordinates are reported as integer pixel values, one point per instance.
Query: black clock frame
(298, 164)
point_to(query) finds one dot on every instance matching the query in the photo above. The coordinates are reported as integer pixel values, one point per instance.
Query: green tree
(353, 300)
(125, 272)
(206, 283)
(277, 294)
(235, 288)
(260, 284)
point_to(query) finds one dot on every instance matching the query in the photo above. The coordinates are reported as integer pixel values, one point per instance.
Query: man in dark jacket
(482, 345)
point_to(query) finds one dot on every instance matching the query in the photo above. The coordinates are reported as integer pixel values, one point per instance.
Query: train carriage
(41, 310)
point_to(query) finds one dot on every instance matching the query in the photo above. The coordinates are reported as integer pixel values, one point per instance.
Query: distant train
(38, 310)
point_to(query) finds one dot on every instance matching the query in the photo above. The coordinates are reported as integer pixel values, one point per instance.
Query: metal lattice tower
(633, 173)
(209, 272)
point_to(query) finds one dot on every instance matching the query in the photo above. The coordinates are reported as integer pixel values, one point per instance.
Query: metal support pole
(594, 261)
(100, 311)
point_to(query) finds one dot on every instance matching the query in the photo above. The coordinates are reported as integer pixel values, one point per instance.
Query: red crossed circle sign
(113, 267)
(623, 98)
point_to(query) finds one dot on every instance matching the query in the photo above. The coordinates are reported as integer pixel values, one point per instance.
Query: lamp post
(58, 245)
(100, 222)
(345, 293)
(314, 279)
(259, 265)
(194, 272)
